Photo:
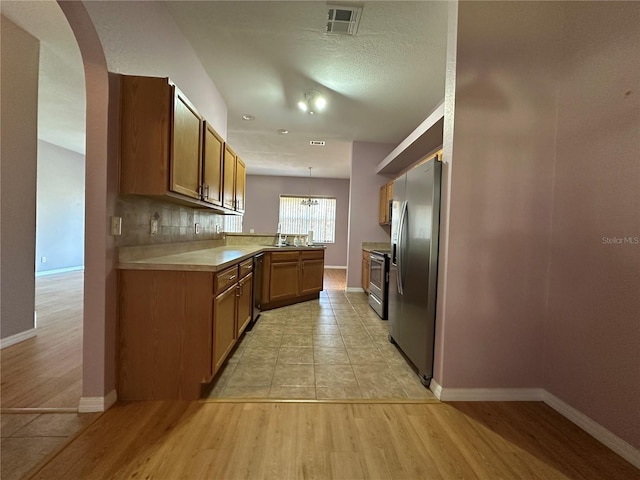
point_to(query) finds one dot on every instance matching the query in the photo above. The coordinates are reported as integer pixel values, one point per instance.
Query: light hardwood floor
(46, 371)
(199, 440)
(335, 279)
(203, 440)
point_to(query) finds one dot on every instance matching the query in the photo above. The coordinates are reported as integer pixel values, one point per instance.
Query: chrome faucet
(280, 239)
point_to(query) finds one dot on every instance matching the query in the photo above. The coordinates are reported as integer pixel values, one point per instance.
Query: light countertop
(381, 246)
(205, 260)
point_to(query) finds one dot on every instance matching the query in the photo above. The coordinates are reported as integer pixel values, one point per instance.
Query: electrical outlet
(116, 226)
(197, 228)
(154, 226)
(43, 259)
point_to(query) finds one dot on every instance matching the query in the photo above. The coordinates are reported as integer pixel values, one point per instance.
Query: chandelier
(308, 202)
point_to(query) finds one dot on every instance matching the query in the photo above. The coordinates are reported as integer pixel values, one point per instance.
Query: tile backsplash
(176, 223)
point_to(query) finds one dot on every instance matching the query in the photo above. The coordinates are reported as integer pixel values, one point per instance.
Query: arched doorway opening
(100, 286)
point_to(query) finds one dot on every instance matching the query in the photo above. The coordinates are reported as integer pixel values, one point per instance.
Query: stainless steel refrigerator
(413, 277)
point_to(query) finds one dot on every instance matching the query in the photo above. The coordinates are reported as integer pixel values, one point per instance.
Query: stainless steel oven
(379, 282)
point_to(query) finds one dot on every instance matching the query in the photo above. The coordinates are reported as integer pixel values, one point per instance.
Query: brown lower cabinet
(292, 276)
(365, 270)
(245, 303)
(224, 328)
(176, 329)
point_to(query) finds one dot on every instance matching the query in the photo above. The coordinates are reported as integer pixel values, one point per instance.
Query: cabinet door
(224, 331)
(145, 135)
(382, 206)
(164, 334)
(311, 276)
(245, 304)
(241, 175)
(365, 271)
(212, 169)
(229, 175)
(186, 153)
(284, 280)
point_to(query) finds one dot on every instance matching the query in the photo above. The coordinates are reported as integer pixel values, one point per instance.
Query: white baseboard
(597, 431)
(436, 388)
(59, 270)
(17, 338)
(354, 289)
(335, 267)
(491, 394)
(97, 404)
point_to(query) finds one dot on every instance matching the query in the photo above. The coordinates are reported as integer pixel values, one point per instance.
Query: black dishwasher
(257, 289)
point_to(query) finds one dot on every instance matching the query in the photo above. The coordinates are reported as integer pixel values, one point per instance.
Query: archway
(100, 287)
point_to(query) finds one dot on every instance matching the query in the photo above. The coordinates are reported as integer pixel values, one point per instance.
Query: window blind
(298, 219)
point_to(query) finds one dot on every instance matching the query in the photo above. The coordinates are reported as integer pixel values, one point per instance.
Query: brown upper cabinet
(168, 150)
(212, 168)
(186, 152)
(386, 197)
(234, 181)
(228, 188)
(240, 184)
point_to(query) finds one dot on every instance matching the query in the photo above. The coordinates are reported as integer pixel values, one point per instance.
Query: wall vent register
(343, 20)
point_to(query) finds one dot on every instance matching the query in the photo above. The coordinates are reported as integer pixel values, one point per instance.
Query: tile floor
(333, 348)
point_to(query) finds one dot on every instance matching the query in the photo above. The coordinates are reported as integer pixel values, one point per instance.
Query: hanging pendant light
(309, 201)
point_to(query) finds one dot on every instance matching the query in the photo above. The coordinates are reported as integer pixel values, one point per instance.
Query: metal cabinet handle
(400, 248)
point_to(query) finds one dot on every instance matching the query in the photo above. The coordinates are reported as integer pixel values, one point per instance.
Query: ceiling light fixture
(313, 102)
(283, 131)
(248, 117)
(308, 202)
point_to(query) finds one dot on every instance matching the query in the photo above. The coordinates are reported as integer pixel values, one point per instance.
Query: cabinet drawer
(246, 267)
(291, 256)
(224, 279)
(312, 254)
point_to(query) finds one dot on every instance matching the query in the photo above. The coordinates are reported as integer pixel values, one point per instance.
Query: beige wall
(19, 96)
(500, 203)
(543, 163)
(141, 38)
(263, 203)
(592, 331)
(364, 195)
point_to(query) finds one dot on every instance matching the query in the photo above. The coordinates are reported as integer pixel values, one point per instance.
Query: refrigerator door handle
(400, 247)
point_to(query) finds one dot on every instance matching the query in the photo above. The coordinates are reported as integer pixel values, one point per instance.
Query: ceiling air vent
(317, 143)
(343, 20)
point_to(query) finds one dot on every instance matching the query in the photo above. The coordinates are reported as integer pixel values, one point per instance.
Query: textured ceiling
(262, 56)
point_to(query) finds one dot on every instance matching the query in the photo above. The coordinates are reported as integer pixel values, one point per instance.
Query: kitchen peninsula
(183, 307)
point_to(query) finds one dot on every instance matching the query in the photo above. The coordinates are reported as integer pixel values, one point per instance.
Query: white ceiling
(262, 56)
